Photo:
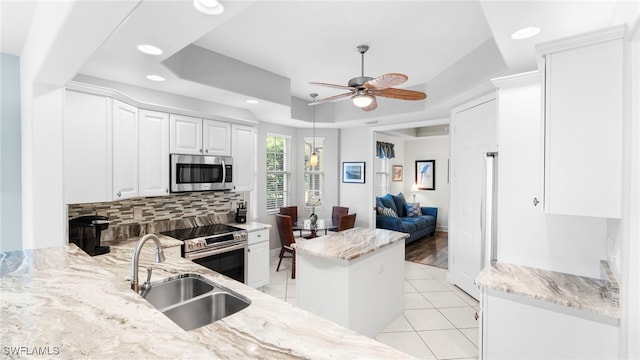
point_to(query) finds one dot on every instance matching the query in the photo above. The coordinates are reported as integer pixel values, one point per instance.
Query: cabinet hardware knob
(476, 315)
(166, 190)
(200, 150)
(118, 194)
(535, 202)
(207, 151)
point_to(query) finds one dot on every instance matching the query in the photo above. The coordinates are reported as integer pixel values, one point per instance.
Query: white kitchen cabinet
(243, 146)
(217, 137)
(583, 90)
(153, 157)
(543, 330)
(87, 148)
(125, 150)
(195, 136)
(258, 258)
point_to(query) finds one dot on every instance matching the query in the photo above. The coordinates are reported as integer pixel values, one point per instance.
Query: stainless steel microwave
(201, 173)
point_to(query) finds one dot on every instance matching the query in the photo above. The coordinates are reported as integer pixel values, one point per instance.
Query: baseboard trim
(442, 228)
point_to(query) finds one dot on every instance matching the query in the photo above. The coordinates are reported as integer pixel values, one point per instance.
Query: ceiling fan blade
(372, 106)
(332, 85)
(343, 96)
(386, 81)
(400, 94)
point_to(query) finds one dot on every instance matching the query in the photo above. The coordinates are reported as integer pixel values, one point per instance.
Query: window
(382, 176)
(313, 175)
(278, 148)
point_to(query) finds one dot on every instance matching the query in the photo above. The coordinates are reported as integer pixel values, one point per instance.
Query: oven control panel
(217, 241)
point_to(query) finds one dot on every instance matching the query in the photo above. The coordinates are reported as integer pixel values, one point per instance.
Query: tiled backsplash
(137, 216)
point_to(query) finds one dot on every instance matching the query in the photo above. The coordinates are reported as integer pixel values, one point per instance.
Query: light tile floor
(438, 321)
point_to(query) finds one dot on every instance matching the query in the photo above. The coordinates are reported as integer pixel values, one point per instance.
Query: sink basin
(205, 310)
(176, 290)
(192, 301)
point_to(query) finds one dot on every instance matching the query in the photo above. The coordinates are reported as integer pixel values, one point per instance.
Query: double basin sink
(192, 301)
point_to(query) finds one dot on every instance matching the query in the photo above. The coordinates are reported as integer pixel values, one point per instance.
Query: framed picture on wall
(397, 172)
(353, 172)
(426, 174)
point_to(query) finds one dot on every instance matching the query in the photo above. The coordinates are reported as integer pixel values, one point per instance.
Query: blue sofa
(416, 226)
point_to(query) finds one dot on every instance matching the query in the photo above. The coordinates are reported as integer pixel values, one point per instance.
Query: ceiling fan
(364, 89)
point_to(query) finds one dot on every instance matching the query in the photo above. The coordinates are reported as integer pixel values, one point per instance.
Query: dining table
(321, 224)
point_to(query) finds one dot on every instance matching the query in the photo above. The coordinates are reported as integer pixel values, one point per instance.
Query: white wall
(356, 144)
(432, 148)
(10, 154)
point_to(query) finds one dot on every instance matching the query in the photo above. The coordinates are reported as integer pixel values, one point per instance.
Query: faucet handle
(146, 287)
(149, 271)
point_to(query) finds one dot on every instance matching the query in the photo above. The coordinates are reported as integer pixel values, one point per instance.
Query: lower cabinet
(258, 258)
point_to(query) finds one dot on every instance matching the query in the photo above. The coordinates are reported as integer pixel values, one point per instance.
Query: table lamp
(414, 188)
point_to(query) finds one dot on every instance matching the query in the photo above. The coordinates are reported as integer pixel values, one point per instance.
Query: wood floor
(430, 250)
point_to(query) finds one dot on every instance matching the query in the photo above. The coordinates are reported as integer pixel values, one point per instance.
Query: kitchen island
(353, 277)
(60, 301)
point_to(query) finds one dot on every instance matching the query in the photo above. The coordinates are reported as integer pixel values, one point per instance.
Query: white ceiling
(447, 48)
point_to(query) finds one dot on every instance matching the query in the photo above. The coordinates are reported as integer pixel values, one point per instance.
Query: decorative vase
(314, 219)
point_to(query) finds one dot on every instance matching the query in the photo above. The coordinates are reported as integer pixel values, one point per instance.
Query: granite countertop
(65, 302)
(349, 244)
(251, 226)
(600, 296)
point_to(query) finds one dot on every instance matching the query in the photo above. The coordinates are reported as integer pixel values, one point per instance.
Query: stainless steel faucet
(135, 258)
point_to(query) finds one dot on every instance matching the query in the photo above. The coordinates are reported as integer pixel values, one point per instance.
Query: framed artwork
(353, 172)
(397, 172)
(426, 174)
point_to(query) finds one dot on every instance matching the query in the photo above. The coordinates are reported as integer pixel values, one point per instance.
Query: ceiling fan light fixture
(525, 33)
(209, 7)
(362, 99)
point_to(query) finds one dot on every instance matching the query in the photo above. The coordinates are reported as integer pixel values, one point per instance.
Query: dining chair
(336, 212)
(287, 241)
(292, 211)
(347, 222)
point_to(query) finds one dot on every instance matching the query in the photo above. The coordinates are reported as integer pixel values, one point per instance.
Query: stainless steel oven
(218, 247)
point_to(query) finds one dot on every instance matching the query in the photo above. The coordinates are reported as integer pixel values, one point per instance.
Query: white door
(217, 138)
(474, 133)
(186, 135)
(154, 153)
(125, 151)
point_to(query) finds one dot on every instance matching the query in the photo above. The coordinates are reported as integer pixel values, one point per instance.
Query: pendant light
(313, 159)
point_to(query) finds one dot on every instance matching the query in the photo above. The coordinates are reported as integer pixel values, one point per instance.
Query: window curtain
(385, 150)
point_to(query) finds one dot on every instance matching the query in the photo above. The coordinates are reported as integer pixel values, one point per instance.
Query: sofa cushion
(407, 227)
(430, 220)
(412, 209)
(388, 202)
(400, 202)
(419, 221)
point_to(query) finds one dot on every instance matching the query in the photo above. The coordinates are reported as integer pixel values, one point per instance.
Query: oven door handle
(205, 253)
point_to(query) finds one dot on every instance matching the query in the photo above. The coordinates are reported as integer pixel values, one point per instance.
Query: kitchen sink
(192, 301)
(176, 290)
(205, 310)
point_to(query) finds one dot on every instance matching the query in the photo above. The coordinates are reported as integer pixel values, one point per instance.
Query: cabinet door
(217, 138)
(185, 135)
(583, 152)
(258, 264)
(153, 145)
(243, 146)
(125, 151)
(87, 167)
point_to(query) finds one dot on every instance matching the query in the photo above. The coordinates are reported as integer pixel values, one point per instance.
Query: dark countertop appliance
(85, 232)
(218, 247)
(241, 213)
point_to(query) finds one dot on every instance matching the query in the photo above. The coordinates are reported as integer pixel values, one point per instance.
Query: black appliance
(241, 213)
(218, 247)
(200, 173)
(85, 232)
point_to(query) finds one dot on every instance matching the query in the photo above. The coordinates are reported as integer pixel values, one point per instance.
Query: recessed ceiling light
(210, 7)
(155, 77)
(525, 33)
(149, 49)
(252, 101)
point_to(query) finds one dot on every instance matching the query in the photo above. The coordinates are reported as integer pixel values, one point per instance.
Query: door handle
(535, 202)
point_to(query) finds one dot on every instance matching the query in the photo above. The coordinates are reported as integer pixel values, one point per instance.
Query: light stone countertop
(252, 226)
(61, 300)
(579, 292)
(349, 244)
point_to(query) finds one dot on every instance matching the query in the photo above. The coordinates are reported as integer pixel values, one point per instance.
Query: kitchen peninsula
(59, 300)
(353, 277)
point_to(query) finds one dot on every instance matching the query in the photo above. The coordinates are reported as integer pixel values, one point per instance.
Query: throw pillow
(387, 212)
(399, 202)
(413, 209)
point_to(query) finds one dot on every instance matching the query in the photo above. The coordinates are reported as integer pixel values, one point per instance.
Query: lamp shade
(362, 100)
(313, 159)
(414, 187)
